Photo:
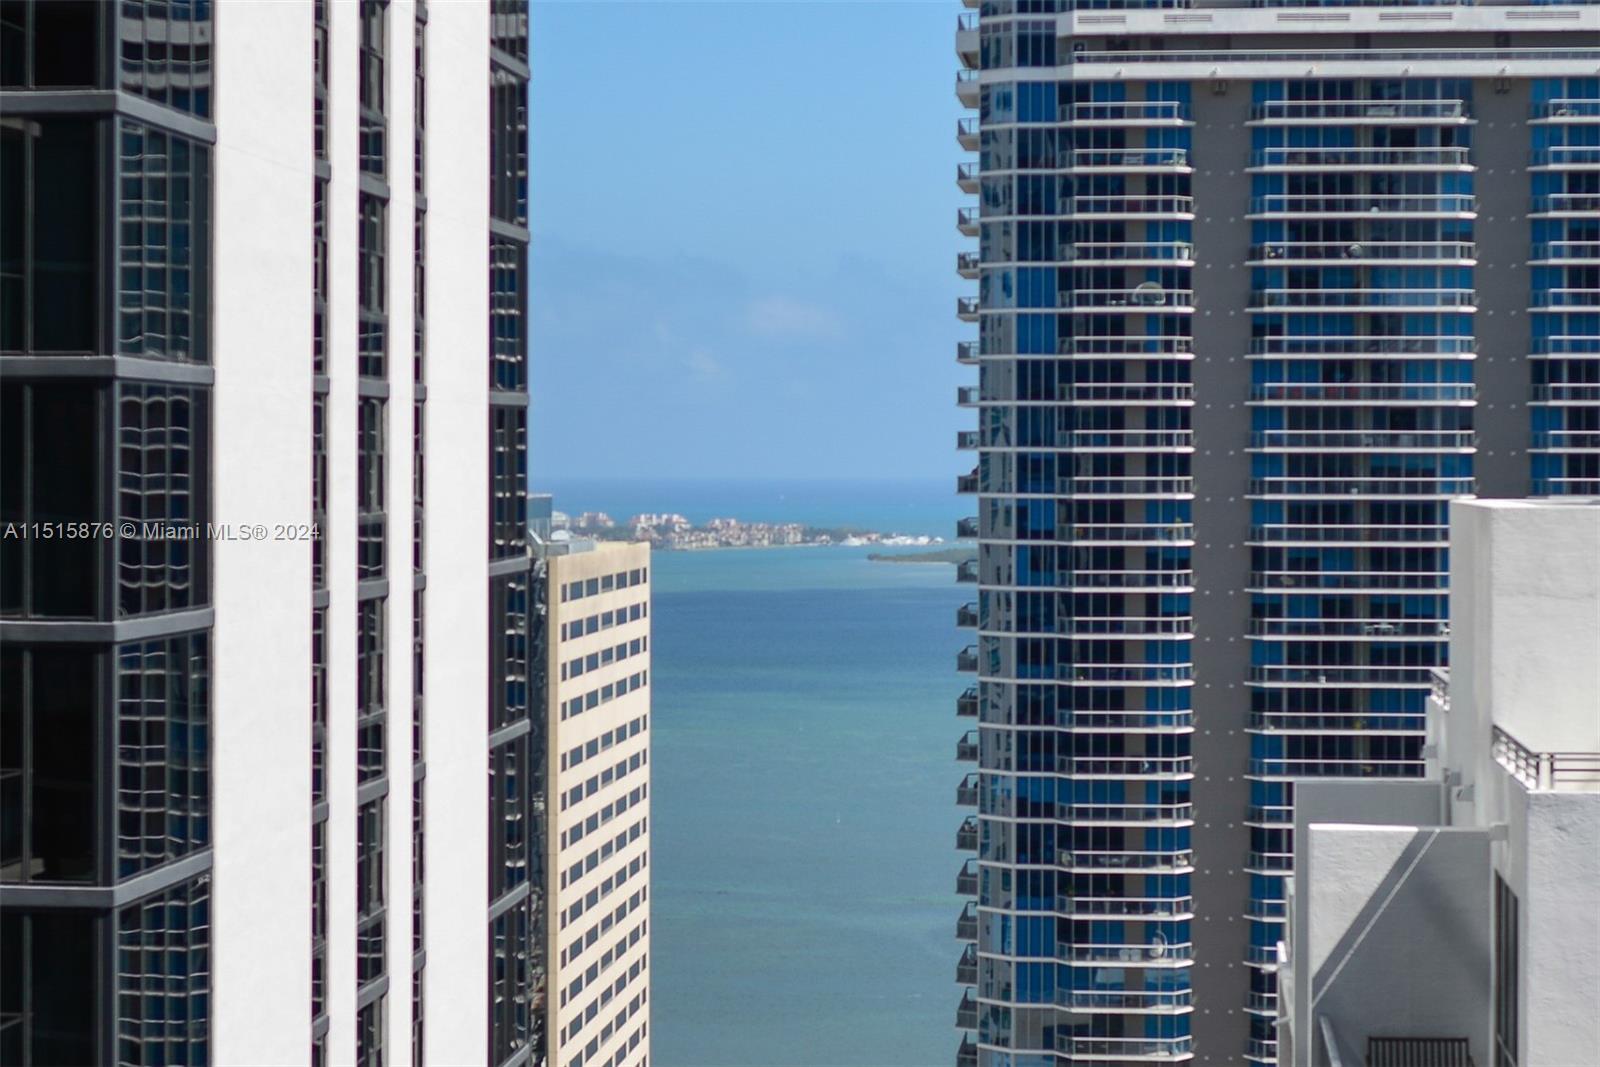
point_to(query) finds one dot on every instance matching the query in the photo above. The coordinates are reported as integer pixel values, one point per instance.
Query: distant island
(953, 554)
(673, 531)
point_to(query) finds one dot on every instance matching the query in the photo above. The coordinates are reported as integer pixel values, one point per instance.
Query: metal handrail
(1546, 770)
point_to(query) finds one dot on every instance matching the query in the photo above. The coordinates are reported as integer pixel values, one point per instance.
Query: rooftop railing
(1577, 771)
(1439, 685)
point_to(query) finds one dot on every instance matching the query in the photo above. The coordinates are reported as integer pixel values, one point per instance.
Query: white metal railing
(1566, 298)
(1567, 155)
(1122, 158)
(1128, 907)
(1423, 345)
(1126, 766)
(1124, 112)
(1426, 440)
(1111, 251)
(1566, 392)
(1577, 771)
(1130, 298)
(1362, 157)
(1268, 533)
(1363, 579)
(1381, 111)
(1566, 440)
(1566, 202)
(1567, 250)
(1567, 108)
(1365, 55)
(1366, 393)
(1361, 250)
(1127, 205)
(1383, 298)
(1378, 628)
(1292, 204)
(1286, 674)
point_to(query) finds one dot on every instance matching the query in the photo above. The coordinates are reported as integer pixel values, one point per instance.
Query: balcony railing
(1123, 345)
(967, 659)
(1312, 57)
(966, 352)
(1375, 298)
(1125, 112)
(1123, 158)
(1567, 250)
(967, 615)
(1129, 813)
(1128, 205)
(1567, 108)
(967, 836)
(967, 1013)
(1566, 440)
(1280, 345)
(967, 880)
(1439, 686)
(1566, 298)
(967, 703)
(1120, 251)
(1292, 486)
(1566, 203)
(1128, 298)
(1378, 628)
(1127, 907)
(1364, 392)
(1160, 952)
(1364, 440)
(967, 923)
(1431, 204)
(1567, 155)
(1566, 771)
(967, 748)
(1566, 393)
(967, 965)
(967, 795)
(1122, 1048)
(1289, 674)
(1354, 767)
(1121, 1000)
(1362, 158)
(967, 570)
(1383, 112)
(1153, 767)
(967, 528)
(1125, 861)
(1356, 251)
(1273, 533)
(1353, 579)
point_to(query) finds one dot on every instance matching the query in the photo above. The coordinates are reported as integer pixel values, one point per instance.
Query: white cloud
(781, 316)
(703, 365)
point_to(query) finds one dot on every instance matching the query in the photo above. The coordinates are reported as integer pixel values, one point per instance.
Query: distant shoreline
(953, 554)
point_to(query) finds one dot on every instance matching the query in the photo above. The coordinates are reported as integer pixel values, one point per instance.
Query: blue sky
(744, 240)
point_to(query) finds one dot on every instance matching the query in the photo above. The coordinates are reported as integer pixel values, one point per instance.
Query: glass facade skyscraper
(1260, 289)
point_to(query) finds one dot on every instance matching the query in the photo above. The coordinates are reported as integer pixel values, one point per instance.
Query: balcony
(1436, 205)
(1159, 347)
(1129, 207)
(968, 133)
(1370, 344)
(1271, 580)
(1120, 1049)
(1150, 862)
(1566, 204)
(1359, 112)
(967, 749)
(1364, 440)
(1154, 298)
(1128, 393)
(1566, 440)
(967, 177)
(967, 38)
(1270, 862)
(967, 703)
(1125, 113)
(967, 837)
(1119, 533)
(967, 965)
(1124, 160)
(1234, 59)
(1566, 109)
(1275, 487)
(1566, 393)
(967, 570)
(967, 615)
(1156, 952)
(967, 880)
(1383, 629)
(967, 659)
(1363, 299)
(967, 923)
(967, 396)
(967, 483)
(1567, 157)
(967, 87)
(1261, 1050)
(967, 264)
(1127, 907)
(1567, 772)
(1385, 677)
(1129, 814)
(1454, 252)
(1170, 485)
(967, 1054)
(967, 221)
(1152, 768)
(1317, 533)
(967, 528)
(1119, 1001)
(967, 308)
(1132, 253)
(1585, 252)
(967, 797)
(1363, 393)
(1437, 158)
(966, 440)
(967, 1013)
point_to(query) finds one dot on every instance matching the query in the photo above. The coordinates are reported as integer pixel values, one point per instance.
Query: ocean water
(803, 818)
(926, 506)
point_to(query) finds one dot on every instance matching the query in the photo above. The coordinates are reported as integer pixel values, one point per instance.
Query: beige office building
(598, 837)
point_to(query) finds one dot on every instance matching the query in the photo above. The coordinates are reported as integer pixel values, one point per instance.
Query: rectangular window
(374, 88)
(509, 987)
(508, 605)
(371, 887)
(508, 474)
(164, 53)
(164, 977)
(1506, 974)
(508, 817)
(49, 232)
(372, 287)
(371, 494)
(49, 997)
(508, 147)
(371, 1021)
(49, 744)
(162, 474)
(50, 44)
(508, 319)
(163, 743)
(163, 244)
(371, 702)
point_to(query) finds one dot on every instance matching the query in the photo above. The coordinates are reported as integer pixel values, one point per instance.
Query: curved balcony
(1353, 252)
(1566, 157)
(1123, 1049)
(967, 264)
(967, 797)
(1176, 862)
(1363, 393)
(1130, 207)
(967, 837)
(967, 748)
(1360, 112)
(967, 221)
(1363, 441)
(967, 87)
(967, 923)
(1158, 954)
(1129, 814)
(967, 175)
(1130, 253)
(1432, 205)
(1146, 768)
(967, 703)
(1385, 629)
(1122, 345)
(1127, 907)
(1454, 157)
(1125, 160)
(967, 659)
(1132, 1002)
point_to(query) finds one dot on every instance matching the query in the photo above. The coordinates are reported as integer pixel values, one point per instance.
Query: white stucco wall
(261, 440)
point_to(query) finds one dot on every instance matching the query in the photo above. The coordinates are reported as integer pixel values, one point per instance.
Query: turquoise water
(803, 809)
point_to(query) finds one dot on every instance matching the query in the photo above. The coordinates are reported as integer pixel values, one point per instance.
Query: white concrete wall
(457, 541)
(1560, 930)
(261, 439)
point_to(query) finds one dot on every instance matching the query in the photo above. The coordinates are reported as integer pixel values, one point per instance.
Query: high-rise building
(270, 793)
(1261, 288)
(1449, 919)
(595, 666)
